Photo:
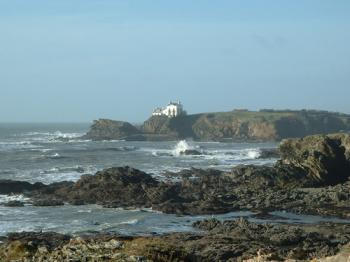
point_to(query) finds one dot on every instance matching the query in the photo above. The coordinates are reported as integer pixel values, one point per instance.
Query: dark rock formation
(191, 152)
(123, 186)
(14, 203)
(14, 187)
(268, 242)
(269, 153)
(104, 129)
(323, 159)
(47, 202)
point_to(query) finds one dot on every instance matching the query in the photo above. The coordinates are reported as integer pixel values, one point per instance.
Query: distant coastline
(237, 125)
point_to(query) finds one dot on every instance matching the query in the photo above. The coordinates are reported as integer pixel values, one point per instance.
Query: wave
(8, 198)
(129, 222)
(120, 149)
(181, 147)
(178, 150)
(55, 156)
(242, 154)
(18, 145)
(50, 137)
(55, 170)
(219, 154)
(58, 174)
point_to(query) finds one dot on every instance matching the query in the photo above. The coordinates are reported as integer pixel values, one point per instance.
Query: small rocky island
(312, 177)
(172, 123)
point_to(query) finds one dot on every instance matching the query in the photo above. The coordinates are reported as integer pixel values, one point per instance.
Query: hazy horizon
(76, 61)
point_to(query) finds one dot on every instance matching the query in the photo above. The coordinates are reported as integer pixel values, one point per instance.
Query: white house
(173, 109)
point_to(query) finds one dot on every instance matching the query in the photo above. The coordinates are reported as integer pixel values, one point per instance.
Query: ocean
(50, 153)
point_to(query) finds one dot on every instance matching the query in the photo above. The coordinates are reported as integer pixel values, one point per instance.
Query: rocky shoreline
(312, 177)
(235, 240)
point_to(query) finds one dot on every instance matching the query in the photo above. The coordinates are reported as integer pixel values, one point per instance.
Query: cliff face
(104, 129)
(181, 127)
(235, 125)
(245, 125)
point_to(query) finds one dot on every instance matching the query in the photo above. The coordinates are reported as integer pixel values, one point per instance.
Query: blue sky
(78, 60)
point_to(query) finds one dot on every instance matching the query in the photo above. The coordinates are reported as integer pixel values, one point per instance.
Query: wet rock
(247, 187)
(269, 153)
(190, 152)
(122, 186)
(14, 187)
(48, 202)
(14, 203)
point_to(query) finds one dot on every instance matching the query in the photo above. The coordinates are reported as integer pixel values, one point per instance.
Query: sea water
(50, 153)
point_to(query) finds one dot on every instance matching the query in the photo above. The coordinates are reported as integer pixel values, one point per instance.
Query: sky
(79, 60)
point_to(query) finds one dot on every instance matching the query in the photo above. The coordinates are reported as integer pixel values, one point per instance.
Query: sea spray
(181, 147)
(253, 153)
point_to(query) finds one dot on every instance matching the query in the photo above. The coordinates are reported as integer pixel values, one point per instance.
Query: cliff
(249, 125)
(265, 125)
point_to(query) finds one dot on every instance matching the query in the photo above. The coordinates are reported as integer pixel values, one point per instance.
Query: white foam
(55, 155)
(129, 222)
(54, 177)
(58, 174)
(254, 153)
(50, 137)
(181, 147)
(8, 198)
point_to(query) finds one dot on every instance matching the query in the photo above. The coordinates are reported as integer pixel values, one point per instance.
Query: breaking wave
(50, 137)
(8, 198)
(181, 147)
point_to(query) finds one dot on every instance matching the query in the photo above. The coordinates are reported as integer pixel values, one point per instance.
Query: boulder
(105, 129)
(323, 159)
(190, 152)
(120, 186)
(14, 203)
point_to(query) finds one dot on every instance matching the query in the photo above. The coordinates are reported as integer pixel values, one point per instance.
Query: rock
(33, 240)
(15, 187)
(47, 202)
(232, 240)
(121, 187)
(322, 159)
(269, 153)
(14, 203)
(265, 125)
(310, 162)
(105, 129)
(190, 152)
(113, 244)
